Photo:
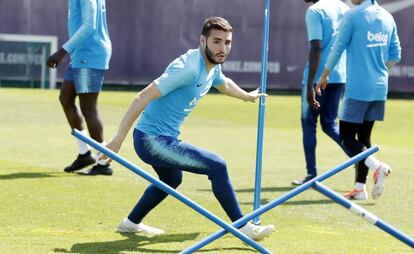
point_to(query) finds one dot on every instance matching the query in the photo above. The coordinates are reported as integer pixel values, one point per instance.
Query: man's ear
(203, 40)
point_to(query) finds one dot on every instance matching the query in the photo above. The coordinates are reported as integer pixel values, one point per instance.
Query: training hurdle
(262, 107)
(170, 191)
(358, 210)
(315, 183)
(232, 228)
(283, 198)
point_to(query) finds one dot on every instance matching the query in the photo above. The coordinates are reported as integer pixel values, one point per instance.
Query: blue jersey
(369, 34)
(89, 45)
(322, 23)
(184, 82)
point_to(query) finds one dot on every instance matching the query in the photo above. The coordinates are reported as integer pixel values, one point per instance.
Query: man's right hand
(113, 145)
(313, 103)
(56, 58)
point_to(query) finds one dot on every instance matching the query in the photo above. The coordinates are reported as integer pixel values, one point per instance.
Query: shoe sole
(124, 230)
(100, 174)
(82, 167)
(265, 234)
(354, 198)
(378, 188)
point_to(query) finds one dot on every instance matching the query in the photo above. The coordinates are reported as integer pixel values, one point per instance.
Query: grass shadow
(265, 189)
(136, 243)
(132, 243)
(33, 175)
(299, 202)
(310, 202)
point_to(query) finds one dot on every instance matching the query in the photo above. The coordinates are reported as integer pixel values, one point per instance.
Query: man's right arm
(137, 106)
(394, 52)
(315, 52)
(314, 31)
(341, 42)
(89, 13)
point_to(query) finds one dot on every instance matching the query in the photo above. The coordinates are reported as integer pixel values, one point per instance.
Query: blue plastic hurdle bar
(282, 199)
(371, 218)
(262, 106)
(170, 191)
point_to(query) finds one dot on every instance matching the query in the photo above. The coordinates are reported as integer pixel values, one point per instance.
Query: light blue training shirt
(182, 85)
(89, 45)
(322, 23)
(369, 34)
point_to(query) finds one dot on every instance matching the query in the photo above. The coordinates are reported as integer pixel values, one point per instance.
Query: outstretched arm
(138, 105)
(232, 89)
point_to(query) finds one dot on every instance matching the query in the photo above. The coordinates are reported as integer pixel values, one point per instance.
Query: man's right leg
(151, 198)
(348, 132)
(309, 119)
(168, 155)
(329, 113)
(75, 119)
(153, 195)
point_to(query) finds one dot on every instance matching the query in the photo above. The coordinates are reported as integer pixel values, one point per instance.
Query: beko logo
(377, 39)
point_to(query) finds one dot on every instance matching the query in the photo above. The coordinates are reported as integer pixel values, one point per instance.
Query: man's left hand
(254, 95)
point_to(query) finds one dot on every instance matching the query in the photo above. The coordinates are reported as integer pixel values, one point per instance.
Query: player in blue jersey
(162, 107)
(90, 50)
(369, 34)
(322, 23)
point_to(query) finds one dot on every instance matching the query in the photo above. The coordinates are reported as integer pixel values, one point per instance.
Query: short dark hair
(215, 23)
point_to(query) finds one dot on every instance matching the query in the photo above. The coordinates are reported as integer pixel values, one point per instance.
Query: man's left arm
(394, 52)
(230, 88)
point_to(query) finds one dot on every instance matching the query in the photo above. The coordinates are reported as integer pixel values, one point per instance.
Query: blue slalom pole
(166, 188)
(262, 106)
(284, 198)
(358, 210)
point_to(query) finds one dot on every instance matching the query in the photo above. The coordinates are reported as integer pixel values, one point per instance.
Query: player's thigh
(169, 152)
(67, 93)
(87, 80)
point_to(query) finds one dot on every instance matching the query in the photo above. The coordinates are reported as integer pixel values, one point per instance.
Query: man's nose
(223, 48)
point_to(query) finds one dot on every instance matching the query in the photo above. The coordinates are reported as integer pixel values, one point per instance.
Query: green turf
(43, 210)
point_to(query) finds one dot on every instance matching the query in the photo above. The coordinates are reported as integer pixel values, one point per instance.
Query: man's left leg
(171, 154)
(381, 170)
(88, 84)
(89, 108)
(329, 113)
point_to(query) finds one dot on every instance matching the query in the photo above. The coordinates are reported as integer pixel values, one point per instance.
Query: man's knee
(89, 112)
(67, 94)
(88, 105)
(217, 167)
(329, 127)
(308, 124)
(174, 180)
(66, 100)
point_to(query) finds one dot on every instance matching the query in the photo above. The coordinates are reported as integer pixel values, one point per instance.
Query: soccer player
(162, 106)
(322, 23)
(369, 34)
(90, 50)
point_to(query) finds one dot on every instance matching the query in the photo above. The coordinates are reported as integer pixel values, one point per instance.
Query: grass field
(43, 210)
